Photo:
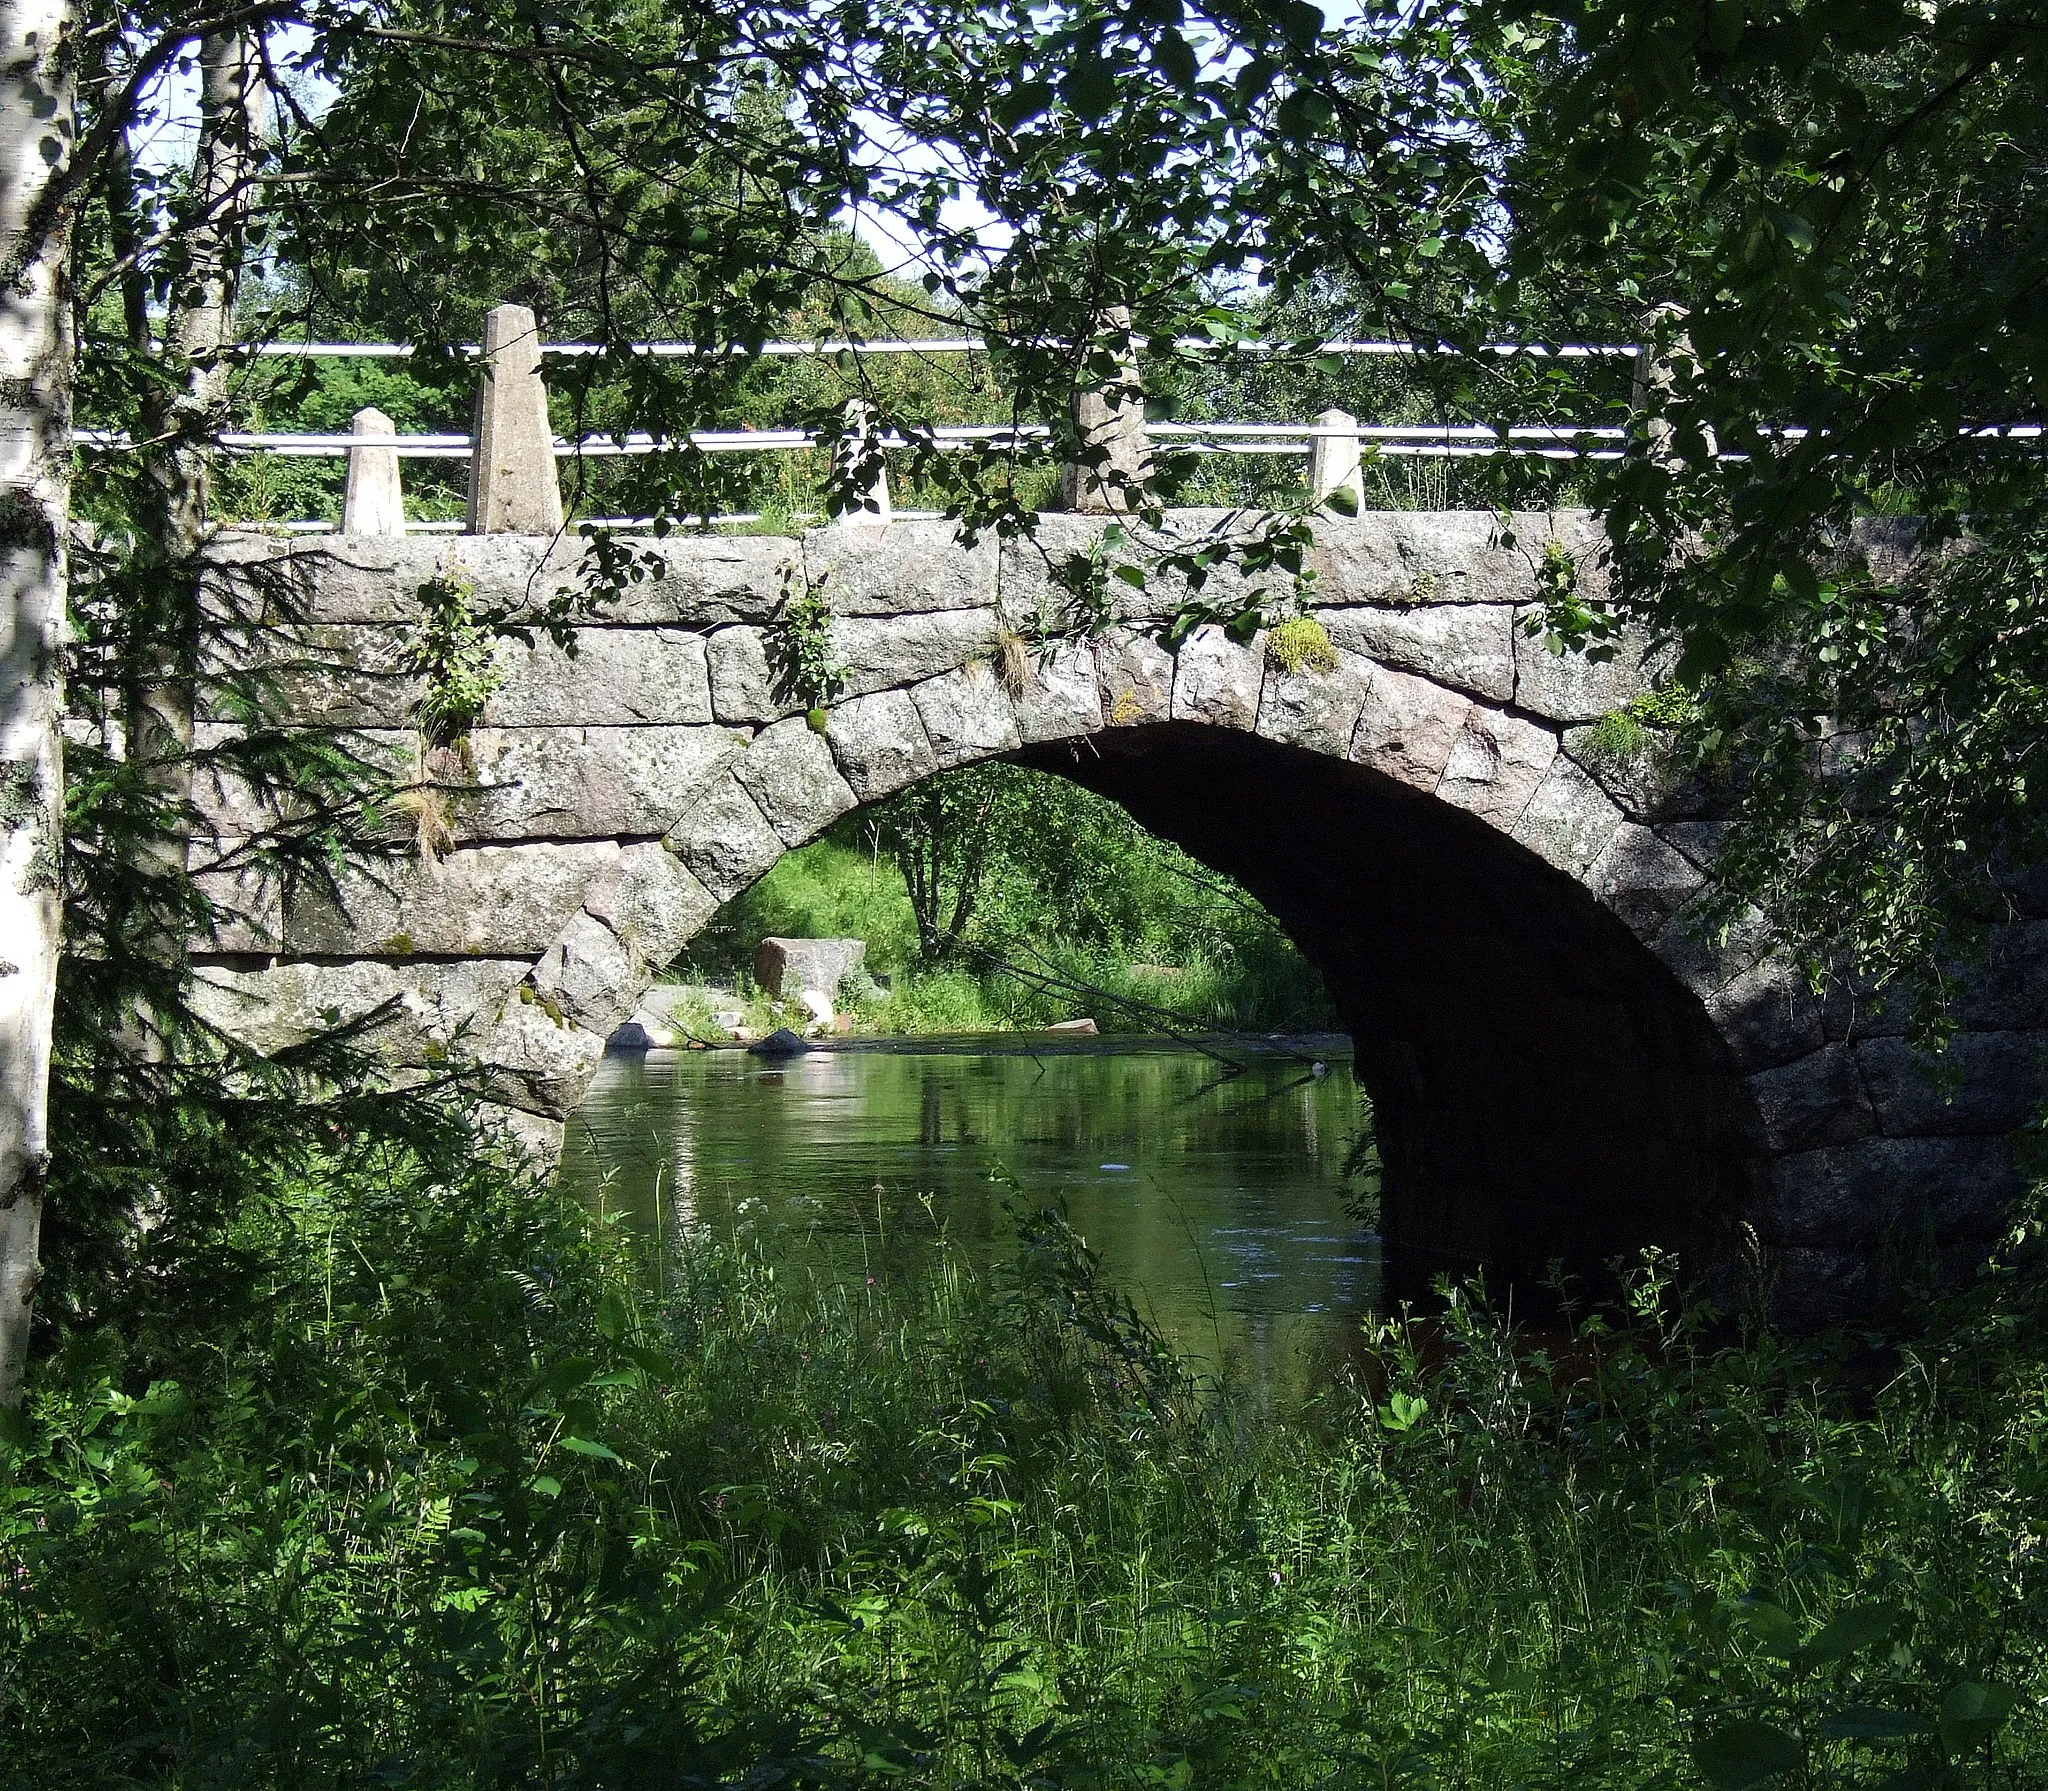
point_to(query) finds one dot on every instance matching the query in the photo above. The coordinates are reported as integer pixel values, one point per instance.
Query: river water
(1215, 1198)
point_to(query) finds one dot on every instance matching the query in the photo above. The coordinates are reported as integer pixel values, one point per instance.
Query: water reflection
(1215, 1200)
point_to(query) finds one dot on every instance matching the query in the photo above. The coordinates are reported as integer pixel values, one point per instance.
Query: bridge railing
(512, 451)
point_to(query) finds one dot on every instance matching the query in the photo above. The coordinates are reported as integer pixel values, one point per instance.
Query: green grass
(452, 1491)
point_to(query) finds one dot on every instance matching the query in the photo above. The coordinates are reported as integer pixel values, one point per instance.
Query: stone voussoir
(1135, 675)
(1569, 820)
(880, 744)
(724, 840)
(1408, 727)
(1061, 696)
(1813, 1101)
(1468, 647)
(650, 901)
(790, 773)
(1217, 680)
(1316, 710)
(966, 714)
(1495, 766)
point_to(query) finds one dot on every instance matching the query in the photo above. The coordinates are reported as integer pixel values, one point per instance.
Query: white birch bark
(38, 132)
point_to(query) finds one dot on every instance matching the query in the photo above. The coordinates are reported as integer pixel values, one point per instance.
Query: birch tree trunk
(37, 137)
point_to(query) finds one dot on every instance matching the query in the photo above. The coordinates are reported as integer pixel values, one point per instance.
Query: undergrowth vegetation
(472, 1490)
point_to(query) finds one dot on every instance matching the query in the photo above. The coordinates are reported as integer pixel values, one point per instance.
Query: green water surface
(1214, 1197)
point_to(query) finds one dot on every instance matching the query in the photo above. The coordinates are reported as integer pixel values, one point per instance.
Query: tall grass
(470, 1496)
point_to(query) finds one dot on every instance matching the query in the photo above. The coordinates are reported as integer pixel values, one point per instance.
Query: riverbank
(1128, 1006)
(1306, 1047)
(455, 1486)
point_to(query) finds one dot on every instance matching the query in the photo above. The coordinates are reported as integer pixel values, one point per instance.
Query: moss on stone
(1627, 734)
(1618, 735)
(1301, 645)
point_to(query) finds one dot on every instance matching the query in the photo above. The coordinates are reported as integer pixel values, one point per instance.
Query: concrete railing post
(1333, 460)
(1656, 377)
(1114, 421)
(857, 452)
(512, 485)
(375, 502)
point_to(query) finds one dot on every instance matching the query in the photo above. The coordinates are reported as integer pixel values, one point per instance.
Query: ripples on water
(1215, 1200)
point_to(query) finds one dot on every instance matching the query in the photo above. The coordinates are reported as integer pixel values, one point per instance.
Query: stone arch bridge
(1501, 903)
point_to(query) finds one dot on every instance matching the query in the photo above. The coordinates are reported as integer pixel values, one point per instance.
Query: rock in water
(1080, 1028)
(780, 1043)
(630, 1040)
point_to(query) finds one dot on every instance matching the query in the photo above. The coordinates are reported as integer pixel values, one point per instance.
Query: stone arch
(1564, 1066)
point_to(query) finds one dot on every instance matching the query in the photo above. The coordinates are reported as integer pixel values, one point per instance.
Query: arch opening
(1545, 1090)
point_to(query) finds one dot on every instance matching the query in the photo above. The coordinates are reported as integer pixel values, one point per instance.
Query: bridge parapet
(1500, 893)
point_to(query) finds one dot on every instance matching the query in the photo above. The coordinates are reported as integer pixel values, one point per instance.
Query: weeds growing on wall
(465, 1494)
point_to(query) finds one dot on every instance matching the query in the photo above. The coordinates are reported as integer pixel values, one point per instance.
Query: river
(1214, 1197)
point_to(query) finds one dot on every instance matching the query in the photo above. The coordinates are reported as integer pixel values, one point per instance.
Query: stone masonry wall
(614, 799)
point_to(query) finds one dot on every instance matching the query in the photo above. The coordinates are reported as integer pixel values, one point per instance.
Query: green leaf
(614, 1316)
(1745, 1753)
(583, 1446)
(1403, 1411)
(1773, 1626)
(1025, 101)
(1971, 1713)
(1848, 1632)
(651, 1362)
(1090, 88)
(1176, 59)
(1300, 22)
(1724, 25)
(1866, 1722)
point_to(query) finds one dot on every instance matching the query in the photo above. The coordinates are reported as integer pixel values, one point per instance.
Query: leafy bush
(465, 1494)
